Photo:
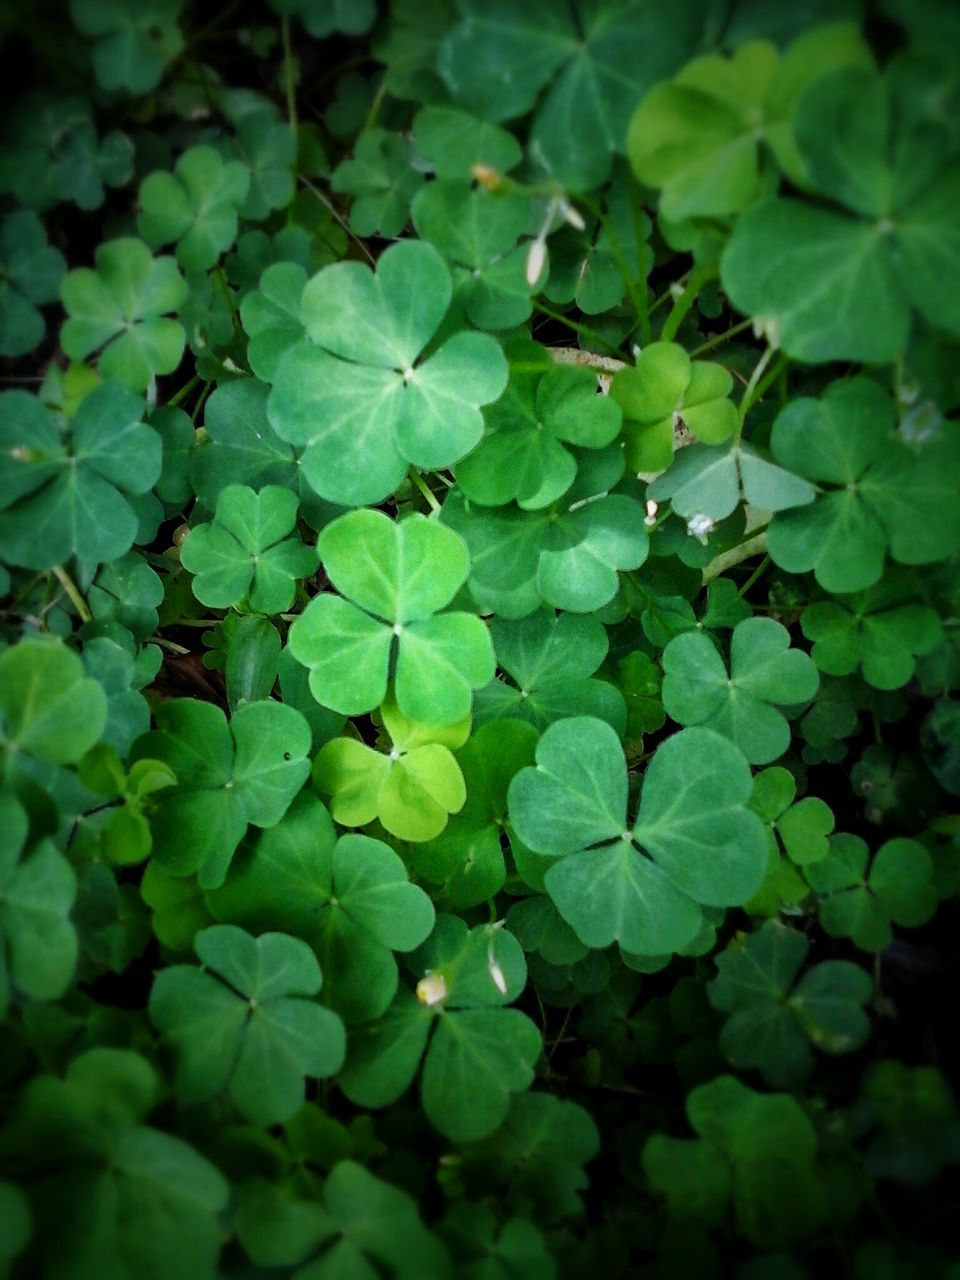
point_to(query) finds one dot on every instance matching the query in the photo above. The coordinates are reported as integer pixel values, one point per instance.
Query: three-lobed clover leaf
(272, 317)
(246, 1023)
(195, 205)
(803, 825)
(38, 941)
(522, 457)
(245, 554)
(860, 897)
(412, 790)
(774, 1017)
(551, 659)
(357, 1226)
(466, 860)
(740, 702)
(30, 275)
(321, 17)
(477, 232)
(382, 180)
(694, 841)
(665, 390)
(701, 137)
(350, 899)
(811, 274)
(358, 395)
(876, 492)
(68, 494)
(475, 1052)
(881, 630)
(755, 1153)
(268, 147)
(228, 775)
(396, 575)
(134, 41)
(497, 59)
(714, 481)
(119, 310)
(568, 555)
(106, 1189)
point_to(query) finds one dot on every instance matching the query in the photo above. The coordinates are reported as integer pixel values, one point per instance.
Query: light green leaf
(48, 708)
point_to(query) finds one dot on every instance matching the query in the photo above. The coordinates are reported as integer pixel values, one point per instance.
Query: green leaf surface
(252, 1029)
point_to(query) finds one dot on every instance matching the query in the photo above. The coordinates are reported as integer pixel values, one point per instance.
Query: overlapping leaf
(396, 577)
(195, 205)
(693, 842)
(359, 397)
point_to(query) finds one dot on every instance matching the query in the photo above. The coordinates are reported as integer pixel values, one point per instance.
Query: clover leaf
(567, 555)
(382, 181)
(774, 1018)
(701, 136)
(38, 942)
(551, 659)
(195, 205)
(456, 142)
(917, 1120)
(227, 776)
(709, 481)
(466, 859)
(268, 147)
(17, 1225)
(412, 790)
(755, 1153)
(123, 598)
(811, 273)
(357, 1225)
(475, 1052)
(271, 315)
(802, 825)
(536, 1157)
(477, 232)
(860, 897)
(245, 554)
(664, 390)
(320, 17)
(119, 310)
(694, 841)
(356, 396)
(596, 265)
(350, 899)
(497, 59)
(764, 673)
(70, 495)
(881, 630)
(522, 457)
(876, 493)
(30, 275)
(245, 1023)
(396, 577)
(49, 708)
(134, 41)
(105, 1186)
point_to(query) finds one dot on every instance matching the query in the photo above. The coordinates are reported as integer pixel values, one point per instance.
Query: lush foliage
(479, 639)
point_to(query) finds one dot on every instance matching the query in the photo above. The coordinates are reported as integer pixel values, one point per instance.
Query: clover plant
(479, 647)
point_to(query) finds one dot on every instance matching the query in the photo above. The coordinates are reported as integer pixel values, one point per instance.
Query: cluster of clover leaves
(479, 638)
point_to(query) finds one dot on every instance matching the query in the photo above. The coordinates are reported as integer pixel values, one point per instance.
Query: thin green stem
(288, 68)
(168, 644)
(184, 391)
(201, 401)
(750, 391)
(590, 335)
(418, 482)
(328, 203)
(374, 113)
(638, 302)
(699, 276)
(70, 587)
(757, 574)
(722, 337)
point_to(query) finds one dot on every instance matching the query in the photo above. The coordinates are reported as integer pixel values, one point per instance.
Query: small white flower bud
(699, 526)
(536, 260)
(432, 990)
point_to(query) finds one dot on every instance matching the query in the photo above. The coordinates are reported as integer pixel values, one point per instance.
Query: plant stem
(722, 337)
(699, 276)
(288, 73)
(590, 335)
(168, 644)
(756, 544)
(184, 391)
(374, 112)
(324, 200)
(750, 392)
(638, 302)
(417, 480)
(758, 572)
(70, 587)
